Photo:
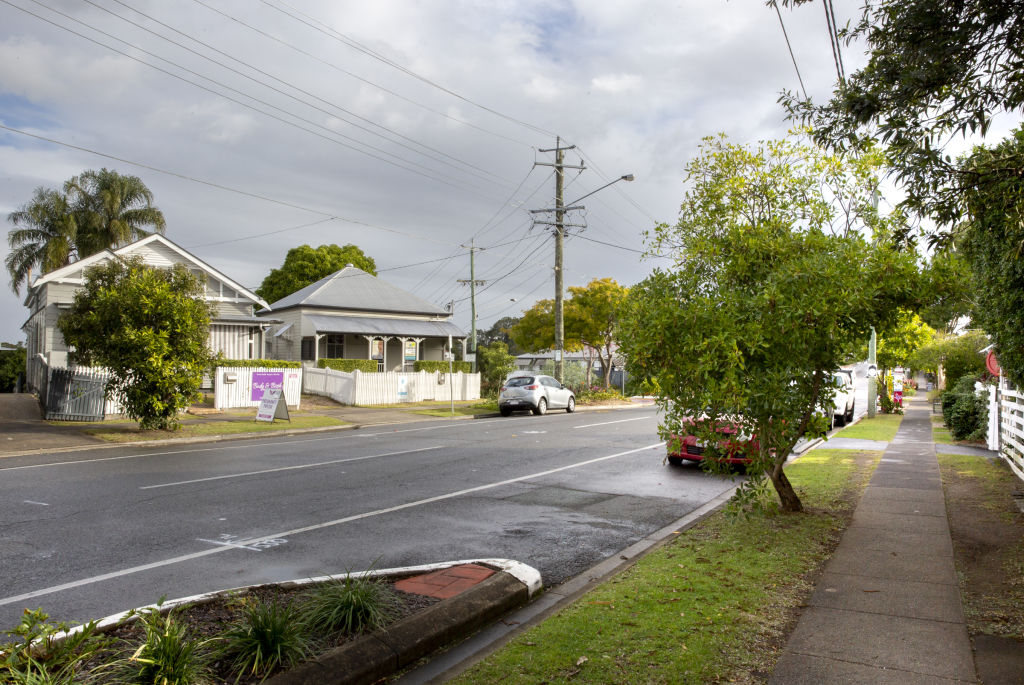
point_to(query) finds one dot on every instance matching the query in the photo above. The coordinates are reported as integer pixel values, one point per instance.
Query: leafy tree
(992, 238)
(495, 363)
(946, 290)
(500, 331)
(304, 265)
(111, 209)
(952, 356)
(898, 343)
(535, 330)
(148, 328)
(592, 316)
(44, 236)
(12, 363)
(763, 302)
(936, 70)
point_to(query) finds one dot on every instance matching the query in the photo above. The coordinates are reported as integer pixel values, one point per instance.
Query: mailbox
(230, 377)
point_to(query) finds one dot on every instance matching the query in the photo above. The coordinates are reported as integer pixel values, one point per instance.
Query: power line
(355, 45)
(791, 55)
(245, 193)
(833, 39)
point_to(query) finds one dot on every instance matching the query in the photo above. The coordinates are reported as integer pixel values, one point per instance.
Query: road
(87, 534)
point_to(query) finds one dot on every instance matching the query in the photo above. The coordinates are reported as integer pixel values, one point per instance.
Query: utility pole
(872, 374)
(559, 224)
(473, 283)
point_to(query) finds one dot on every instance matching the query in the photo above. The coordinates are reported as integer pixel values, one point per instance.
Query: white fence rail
(1011, 429)
(242, 386)
(368, 389)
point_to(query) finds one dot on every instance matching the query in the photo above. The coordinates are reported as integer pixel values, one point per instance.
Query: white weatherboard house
(235, 331)
(354, 315)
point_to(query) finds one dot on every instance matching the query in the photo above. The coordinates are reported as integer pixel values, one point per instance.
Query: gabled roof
(75, 270)
(353, 289)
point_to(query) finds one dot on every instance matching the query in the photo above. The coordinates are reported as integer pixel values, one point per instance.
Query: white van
(843, 403)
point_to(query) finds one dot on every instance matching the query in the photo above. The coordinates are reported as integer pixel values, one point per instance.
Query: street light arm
(624, 177)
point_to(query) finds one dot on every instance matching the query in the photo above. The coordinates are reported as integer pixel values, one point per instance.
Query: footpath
(887, 607)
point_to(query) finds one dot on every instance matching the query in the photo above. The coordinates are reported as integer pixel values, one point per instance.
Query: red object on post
(992, 363)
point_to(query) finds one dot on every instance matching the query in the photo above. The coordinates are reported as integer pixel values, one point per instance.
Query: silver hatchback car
(536, 393)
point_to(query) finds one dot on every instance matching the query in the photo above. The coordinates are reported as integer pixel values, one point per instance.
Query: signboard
(378, 349)
(403, 386)
(470, 357)
(273, 406)
(410, 350)
(264, 380)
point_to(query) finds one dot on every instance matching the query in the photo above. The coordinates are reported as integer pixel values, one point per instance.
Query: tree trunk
(787, 495)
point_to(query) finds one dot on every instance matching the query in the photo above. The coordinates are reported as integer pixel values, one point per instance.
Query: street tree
(304, 265)
(763, 302)
(111, 209)
(148, 328)
(950, 357)
(44, 237)
(592, 316)
(947, 291)
(500, 331)
(897, 343)
(495, 364)
(535, 330)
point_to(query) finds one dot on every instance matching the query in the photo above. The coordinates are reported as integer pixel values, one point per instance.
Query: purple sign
(262, 380)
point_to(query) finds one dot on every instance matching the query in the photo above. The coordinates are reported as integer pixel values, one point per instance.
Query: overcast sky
(406, 128)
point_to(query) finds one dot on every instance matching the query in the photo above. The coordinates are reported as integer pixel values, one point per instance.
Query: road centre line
(287, 468)
(605, 423)
(306, 529)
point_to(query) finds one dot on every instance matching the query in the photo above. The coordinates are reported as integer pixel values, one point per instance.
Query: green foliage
(111, 210)
(349, 365)
(946, 290)
(594, 395)
(772, 286)
(431, 366)
(148, 328)
(993, 241)
(35, 658)
(592, 317)
(12, 363)
(965, 411)
(495, 364)
(268, 636)
(43, 237)
(574, 374)
(885, 395)
(304, 265)
(258, 363)
(898, 342)
(168, 655)
(350, 605)
(957, 355)
(535, 330)
(500, 331)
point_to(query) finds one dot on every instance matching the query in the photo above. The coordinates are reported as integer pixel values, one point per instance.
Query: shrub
(349, 365)
(258, 363)
(442, 366)
(349, 605)
(167, 655)
(35, 658)
(598, 394)
(965, 411)
(268, 636)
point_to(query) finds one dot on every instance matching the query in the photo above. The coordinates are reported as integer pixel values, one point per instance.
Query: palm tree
(44, 235)
(111, 210)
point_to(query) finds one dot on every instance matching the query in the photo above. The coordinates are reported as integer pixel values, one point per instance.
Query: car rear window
(519, 381)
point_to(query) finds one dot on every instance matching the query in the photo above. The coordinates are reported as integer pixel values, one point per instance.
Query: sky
(410, 129)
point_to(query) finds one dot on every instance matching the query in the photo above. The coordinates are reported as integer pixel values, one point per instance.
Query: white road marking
(286, 468)
(228, 543)
(605, 423)
(305, 529)
(476, 422)
(42, 504)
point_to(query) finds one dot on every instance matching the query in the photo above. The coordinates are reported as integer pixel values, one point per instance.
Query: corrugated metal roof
(354, 289)
(369, 325)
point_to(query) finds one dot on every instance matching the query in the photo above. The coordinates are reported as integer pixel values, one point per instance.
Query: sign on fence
(265, 380)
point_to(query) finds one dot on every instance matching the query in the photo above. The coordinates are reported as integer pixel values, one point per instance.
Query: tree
(946, 290)
(12, 363)
(535, 330)
(592, 316)
(764, 301)
(148, 328)
(951, 357)
(992, 239)
(304, 265)
(111, 210)
(44, 236)
(897, 344)
(500, 331)
(936, 70)
(495, 363)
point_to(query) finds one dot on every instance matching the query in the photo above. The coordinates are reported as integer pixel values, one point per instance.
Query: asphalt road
(87, 534)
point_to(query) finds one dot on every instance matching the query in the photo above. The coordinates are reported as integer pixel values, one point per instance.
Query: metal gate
(75, 395)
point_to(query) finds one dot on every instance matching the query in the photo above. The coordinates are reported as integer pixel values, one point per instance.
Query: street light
(559, 209)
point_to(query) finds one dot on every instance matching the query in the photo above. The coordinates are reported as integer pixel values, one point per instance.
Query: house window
(308, 349)
(335, 346)
(252, 343)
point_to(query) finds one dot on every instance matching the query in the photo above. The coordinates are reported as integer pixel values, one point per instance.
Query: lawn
(882, 427)
(129, 432)
(710, 605)
(464, 409)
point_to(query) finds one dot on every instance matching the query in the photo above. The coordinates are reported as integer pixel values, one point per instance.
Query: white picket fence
(1010, 442)
(233, 386)
(368, 389)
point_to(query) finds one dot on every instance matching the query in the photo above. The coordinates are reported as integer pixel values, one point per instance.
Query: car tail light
(532, 387)
(503, 389)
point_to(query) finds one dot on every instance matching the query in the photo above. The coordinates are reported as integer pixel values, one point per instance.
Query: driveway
(22, 427)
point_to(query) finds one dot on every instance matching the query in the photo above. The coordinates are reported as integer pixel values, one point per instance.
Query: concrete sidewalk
(886, 608)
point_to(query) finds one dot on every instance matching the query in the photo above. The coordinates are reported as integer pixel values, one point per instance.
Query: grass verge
(882, 427)
(484, 407)
(713, 604)
(129, 432)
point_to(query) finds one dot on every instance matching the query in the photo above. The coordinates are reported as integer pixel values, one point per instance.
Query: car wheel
(542, 407)
(675, 461)
(571, 407)
(505, 411)
(849, 417)
(839, 420)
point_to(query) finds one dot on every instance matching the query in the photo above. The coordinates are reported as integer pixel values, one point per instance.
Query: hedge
(256, 363)
(349, 365)
(424, 365)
